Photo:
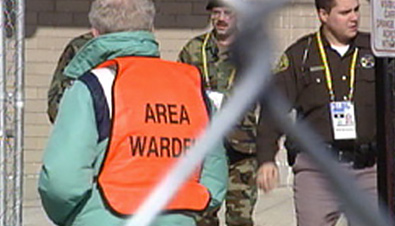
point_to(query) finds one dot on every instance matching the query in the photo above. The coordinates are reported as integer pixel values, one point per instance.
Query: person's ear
(95, 32)
(323, 15)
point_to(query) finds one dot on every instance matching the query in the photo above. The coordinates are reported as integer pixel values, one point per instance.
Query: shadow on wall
(185, 14)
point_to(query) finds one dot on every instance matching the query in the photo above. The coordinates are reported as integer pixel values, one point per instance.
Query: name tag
(316, 68)
(216, 97)
(343, 120)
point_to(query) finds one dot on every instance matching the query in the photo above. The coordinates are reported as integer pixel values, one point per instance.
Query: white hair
(108, 16)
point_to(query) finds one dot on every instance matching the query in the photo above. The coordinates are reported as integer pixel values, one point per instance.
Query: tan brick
(169, 55)
(37, 80)
(73, 6)
(34, 146)
(300, 32)
(37, 130)
(195, 21)
(64, 32)
(183, 34)
(302, 10)
(30, 189)
(365, 23)
(31, 43)
(52, 43)
(42, 55)
(36, 106)
(40, 5)
(55, 18)
(165, 20)
(31, 17)
(33, 156)
(32, 168)
(81, 19)
(31, 93)
(29, 143)
(41, 68)
(179, 8)
(42, 93)
(199, 8)
(170, 44)
(304, 22)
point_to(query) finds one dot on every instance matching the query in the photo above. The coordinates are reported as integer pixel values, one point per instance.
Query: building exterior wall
(50, 24)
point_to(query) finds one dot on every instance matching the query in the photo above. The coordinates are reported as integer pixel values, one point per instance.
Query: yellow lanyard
(205, 65)
(328, 72)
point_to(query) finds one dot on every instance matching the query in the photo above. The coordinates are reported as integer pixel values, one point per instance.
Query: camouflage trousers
(240, 198)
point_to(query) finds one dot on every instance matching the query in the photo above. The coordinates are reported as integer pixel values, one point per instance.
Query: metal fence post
(11, 111)
(3, 178)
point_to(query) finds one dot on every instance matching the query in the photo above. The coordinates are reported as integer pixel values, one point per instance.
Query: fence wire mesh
(11, 111)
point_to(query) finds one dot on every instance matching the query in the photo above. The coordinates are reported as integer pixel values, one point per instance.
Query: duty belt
(360, 156)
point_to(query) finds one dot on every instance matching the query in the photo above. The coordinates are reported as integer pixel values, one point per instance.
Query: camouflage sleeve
(191, 53)
(59, 81)
(185, 55)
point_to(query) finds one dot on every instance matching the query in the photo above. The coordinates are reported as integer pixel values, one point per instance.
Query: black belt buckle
(345, 156)
(341, 155)
(361, 157)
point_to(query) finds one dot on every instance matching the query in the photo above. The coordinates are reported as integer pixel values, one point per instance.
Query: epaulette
(304, 39)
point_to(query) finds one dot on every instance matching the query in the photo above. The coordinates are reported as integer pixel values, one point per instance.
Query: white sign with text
(383, 28)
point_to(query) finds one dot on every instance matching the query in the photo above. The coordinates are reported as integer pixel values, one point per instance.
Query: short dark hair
(327, 5)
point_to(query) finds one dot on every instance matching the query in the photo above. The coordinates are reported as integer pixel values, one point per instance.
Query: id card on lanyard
(342, 112)
(216, 98)
(343, 120)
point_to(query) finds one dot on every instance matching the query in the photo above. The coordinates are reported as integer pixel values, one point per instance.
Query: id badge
(216, 97)
(343, 120)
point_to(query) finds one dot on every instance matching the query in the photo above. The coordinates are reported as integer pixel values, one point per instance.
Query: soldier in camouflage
(59, 81)
(210, 53)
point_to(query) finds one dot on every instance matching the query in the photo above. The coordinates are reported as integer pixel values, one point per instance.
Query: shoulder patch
(282, 64)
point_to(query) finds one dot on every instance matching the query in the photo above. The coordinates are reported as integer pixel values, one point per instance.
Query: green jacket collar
(110, 46)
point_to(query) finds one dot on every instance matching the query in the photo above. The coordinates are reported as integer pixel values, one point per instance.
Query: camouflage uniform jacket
(220, 78)
(59, 81)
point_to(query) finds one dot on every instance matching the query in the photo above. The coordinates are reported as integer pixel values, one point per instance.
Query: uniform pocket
(365, 87)
(314, 91)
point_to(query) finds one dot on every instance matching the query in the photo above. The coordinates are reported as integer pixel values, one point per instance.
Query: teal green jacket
(73, 157)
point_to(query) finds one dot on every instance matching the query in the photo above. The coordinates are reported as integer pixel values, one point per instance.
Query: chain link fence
(11, 111)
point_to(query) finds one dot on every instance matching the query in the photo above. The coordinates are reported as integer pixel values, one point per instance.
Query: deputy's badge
(282, 64)
(367, 61)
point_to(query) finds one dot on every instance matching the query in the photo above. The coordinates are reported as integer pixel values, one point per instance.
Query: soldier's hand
(267, 177)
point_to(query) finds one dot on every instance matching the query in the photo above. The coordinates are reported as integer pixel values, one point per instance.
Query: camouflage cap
(215, 3)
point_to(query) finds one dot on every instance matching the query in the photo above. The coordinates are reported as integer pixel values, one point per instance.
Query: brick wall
(52, 23)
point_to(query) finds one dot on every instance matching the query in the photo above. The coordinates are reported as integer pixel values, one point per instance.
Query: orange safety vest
(158, 111)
